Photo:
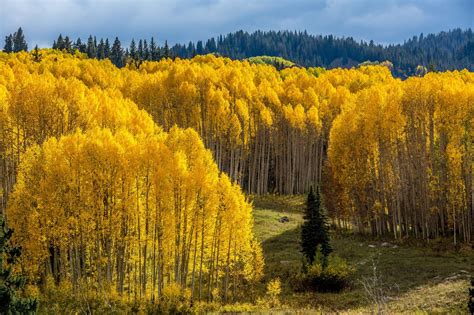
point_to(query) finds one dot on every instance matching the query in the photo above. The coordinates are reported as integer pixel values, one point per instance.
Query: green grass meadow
(413, 277)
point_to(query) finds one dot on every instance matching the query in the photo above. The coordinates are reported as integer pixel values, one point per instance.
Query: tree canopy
(395, 157)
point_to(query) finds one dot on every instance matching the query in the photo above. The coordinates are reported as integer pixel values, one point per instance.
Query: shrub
(376, 291)
(203, 307)
(273, 292)
(85, 299)
(332, 278)
(238, 308)
(174, 299)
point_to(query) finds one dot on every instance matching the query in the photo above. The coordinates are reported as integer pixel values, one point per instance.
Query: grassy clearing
(415, 277)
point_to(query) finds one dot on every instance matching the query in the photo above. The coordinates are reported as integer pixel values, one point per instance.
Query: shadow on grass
(282, 252)
(283, 259)
(406, 269)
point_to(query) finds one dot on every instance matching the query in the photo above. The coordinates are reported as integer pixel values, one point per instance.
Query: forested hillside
(104, 199)
(451, 50)
(110, 198)
(444, 51)
(393, 157)
(236, 157)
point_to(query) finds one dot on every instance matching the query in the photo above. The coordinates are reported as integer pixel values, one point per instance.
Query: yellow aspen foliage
(404, 150)
(112, 183)
(105, 207)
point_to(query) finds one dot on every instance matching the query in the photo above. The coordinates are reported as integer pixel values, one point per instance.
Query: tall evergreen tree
(58, 44)
(67, 45)
(191, 50)
(107, 48)
(211, 46)
(10, 284)
(140, 49)
(101, 49)
(19, 42)
(91, 48)
(166, 50)
(8, 48)
(116, 53)
(314, 231)
(154, 53)
(133, 49)
(80, 46)
(146, 51)
(199, 48)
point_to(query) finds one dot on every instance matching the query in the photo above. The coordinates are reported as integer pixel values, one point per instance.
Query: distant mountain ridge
(449, 50)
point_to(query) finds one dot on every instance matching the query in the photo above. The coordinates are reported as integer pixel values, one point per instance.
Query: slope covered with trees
(443, 51)
(104, 201)
(393, 157)
(139, 205)
(134, 214)
(451, 50)
(401, 161)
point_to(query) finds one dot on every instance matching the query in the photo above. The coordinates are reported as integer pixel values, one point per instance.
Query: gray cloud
(385, 21)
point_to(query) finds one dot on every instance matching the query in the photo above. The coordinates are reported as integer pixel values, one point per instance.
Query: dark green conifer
(166, 50)
(146, 51)
(199, 48)
(11, 284)
(79, 45)
(107, 48)
(91, 48)
(58, 44)
(314, 231)
(67, 45)
(116, 53)
(8, 48)
(101, 49)
(140, 52)
(19, 42)
(133, 49)
(154, 53)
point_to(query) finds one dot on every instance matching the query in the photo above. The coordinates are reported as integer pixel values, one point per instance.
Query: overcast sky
(384, 21)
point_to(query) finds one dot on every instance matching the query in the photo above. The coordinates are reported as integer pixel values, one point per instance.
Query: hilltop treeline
(452, 50)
